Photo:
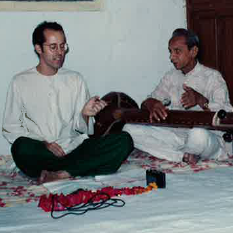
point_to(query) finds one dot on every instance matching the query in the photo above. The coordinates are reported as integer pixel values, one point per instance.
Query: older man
(190, 86)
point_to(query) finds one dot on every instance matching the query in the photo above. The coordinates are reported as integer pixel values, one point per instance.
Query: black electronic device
(155, 176)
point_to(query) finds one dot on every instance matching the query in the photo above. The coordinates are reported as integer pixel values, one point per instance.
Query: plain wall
(121, 48)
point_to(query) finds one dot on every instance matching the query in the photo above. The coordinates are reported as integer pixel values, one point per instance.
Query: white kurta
(47, 108)
(172, 143)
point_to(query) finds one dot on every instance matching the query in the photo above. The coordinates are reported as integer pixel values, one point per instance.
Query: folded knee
(198, 140)
(198, 135)
(18, 144)
(128, 140)
(127, 128)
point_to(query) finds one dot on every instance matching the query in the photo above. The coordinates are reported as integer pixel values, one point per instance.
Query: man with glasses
(49, 115)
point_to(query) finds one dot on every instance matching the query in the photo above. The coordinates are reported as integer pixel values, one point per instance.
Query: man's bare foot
(191, 158)
(47, 176)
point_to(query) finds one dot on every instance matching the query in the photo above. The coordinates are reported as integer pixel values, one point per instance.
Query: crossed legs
(187, 145)
(98, 156)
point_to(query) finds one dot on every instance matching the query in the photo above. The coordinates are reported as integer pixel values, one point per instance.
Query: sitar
(220, 120)
(123, 109)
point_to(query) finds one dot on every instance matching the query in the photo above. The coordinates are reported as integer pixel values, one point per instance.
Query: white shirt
(171, 143)
(206, 81)
(47, 108)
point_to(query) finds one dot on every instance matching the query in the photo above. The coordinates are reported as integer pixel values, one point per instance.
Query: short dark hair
(190, 37)
(38, 34)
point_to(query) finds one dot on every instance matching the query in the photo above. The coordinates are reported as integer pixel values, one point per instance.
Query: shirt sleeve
(161, 91)
(80, 124)
(13, 123)
(219, 97)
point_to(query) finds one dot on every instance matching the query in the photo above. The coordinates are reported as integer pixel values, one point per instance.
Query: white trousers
(171, 143)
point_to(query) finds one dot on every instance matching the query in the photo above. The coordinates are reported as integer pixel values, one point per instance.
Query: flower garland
(61, 202)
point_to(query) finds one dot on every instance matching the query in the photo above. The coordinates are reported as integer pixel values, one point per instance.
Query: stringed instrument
(176, 118)
(114, 117)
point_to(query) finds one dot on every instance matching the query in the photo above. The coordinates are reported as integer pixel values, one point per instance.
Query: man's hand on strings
(156, 108)
(93, 106)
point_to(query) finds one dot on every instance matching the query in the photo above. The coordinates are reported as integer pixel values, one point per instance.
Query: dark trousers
(95, 156)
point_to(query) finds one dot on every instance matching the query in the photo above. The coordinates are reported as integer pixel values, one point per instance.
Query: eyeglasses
(54, 47)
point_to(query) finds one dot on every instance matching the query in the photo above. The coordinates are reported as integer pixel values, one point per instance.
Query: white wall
(122, 48)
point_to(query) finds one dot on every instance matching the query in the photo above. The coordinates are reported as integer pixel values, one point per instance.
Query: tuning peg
(222, 114)
(228, 137)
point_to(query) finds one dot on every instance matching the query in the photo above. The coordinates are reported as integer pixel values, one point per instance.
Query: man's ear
(38, 49)
(194, 51)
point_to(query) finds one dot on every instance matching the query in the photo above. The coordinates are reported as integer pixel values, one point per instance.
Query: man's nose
(172, 56)
(60, 50)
